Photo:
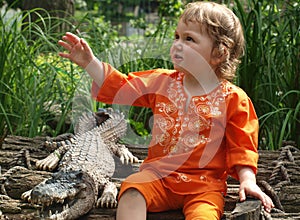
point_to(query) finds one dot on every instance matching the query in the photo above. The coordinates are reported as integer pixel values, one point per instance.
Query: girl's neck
(201, 85)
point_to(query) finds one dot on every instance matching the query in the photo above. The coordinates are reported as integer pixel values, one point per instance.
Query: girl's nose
(178, 45)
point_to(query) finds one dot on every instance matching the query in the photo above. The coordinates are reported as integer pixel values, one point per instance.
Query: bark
(250, 210)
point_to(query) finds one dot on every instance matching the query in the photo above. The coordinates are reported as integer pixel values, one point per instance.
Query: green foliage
(81, 4)
(269, 72)
(34, 80)
(117, 10)
(37, 86)
(27, 75)
(139, 127)
(170, 9)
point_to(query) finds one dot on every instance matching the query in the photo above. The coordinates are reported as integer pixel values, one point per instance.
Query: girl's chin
(178, 67)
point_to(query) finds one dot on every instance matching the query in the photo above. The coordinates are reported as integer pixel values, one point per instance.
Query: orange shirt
(195, 143)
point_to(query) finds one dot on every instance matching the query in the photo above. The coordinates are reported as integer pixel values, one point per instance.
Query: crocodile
(84, 164)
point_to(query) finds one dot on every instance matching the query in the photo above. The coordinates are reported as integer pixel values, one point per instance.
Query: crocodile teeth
(66, 207)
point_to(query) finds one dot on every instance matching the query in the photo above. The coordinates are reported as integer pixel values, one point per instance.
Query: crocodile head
(67, 195)
(102, 115)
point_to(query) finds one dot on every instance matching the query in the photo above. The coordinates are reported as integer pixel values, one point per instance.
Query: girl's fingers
(65, 45)
(85, 45)
(242, 195)
(72, 38)
(268, 203)
(64, 55)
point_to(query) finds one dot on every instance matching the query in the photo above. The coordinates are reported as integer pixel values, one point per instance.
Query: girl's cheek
(172, 48)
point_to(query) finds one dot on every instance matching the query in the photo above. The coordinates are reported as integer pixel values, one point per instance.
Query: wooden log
(290, 198)
(250, 210)
(20, 179)
(22, 151)
(14, 150)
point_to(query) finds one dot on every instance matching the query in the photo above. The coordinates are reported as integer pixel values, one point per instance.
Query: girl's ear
(219, 55)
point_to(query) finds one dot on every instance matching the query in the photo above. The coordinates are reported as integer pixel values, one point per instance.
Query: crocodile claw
(26, 196)
(48, 163)
(107, 200)
(127, 157)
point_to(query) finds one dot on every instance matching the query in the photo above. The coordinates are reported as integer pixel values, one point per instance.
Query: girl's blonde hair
(225, 29)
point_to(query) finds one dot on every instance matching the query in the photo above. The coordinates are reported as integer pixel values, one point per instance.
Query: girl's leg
(142, 192)
(132, 206)
(205, 206)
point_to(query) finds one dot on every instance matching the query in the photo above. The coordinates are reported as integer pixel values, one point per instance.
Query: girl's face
(191, 50)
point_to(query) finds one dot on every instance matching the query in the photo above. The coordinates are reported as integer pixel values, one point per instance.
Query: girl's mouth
(177, 57)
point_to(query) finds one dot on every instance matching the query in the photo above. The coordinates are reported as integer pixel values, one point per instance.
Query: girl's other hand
(249, 187)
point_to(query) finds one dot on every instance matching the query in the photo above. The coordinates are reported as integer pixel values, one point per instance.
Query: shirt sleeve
(241, 133)
(136, 88)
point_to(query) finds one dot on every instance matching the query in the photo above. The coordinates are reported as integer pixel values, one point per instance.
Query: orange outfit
(195, 143)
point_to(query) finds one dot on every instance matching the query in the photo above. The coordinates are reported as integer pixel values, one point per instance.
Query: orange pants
(204, 206)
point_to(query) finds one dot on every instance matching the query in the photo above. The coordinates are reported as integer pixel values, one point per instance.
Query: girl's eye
(189, 39)
(176, 37)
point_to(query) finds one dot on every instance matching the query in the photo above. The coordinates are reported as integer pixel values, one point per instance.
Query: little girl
(205, 128)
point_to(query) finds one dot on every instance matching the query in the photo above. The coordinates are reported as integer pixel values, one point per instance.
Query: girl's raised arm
(80, 53)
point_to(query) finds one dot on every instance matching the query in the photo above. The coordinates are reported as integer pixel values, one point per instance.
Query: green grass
(269, 72)
(35, 83)
(33, 78)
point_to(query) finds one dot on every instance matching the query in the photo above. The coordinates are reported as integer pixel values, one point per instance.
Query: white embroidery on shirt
(182, 131)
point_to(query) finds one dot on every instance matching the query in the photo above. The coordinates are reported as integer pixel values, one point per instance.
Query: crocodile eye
(73, 175)
(101, 118)
(101, 110)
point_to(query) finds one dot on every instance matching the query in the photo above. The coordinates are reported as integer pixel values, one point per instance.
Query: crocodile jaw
(77, 209)
(68, 195)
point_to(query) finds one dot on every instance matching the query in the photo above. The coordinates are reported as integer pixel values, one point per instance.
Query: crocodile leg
(52, 160)
(121, 151)
(109, 196)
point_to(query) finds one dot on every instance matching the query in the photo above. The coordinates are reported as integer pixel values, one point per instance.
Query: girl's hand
(249, 187)
(252, 189)
(78, 49)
